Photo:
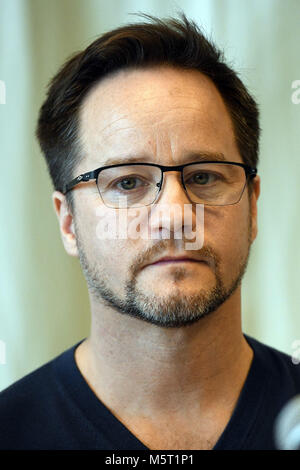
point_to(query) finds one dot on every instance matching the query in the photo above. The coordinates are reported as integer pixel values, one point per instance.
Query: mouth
(165, 261)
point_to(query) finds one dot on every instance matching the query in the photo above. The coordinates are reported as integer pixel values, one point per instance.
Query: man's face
(163, 114)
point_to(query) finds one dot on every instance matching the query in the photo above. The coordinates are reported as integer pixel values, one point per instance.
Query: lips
(174, 260)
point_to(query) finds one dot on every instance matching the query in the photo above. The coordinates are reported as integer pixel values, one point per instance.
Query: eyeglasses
(207, 182)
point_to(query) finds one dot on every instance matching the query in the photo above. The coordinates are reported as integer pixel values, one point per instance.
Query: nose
(167, 212)
(172, 190)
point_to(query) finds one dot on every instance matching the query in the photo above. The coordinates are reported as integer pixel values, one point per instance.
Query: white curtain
(44, 304)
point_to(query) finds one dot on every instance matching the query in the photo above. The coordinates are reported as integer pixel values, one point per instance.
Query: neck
(148, 370)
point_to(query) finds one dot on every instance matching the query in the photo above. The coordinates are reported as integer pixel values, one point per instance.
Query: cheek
(227, 232)
(110, 257)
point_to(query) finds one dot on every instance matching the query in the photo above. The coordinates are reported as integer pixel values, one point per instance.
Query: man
(166, 364)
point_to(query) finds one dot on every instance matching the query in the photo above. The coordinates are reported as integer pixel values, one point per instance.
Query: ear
(253, 205)
(66, 223)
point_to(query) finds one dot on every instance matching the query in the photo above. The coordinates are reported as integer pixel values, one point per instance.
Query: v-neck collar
(235, 435)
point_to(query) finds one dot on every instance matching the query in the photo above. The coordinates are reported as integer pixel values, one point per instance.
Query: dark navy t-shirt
(54, 408)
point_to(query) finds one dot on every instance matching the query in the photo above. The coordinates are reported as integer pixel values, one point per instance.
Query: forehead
(158, 111)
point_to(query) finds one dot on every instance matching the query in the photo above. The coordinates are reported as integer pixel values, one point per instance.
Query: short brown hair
(177, 42)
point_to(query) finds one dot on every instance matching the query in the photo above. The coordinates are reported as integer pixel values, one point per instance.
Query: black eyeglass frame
(250, 172)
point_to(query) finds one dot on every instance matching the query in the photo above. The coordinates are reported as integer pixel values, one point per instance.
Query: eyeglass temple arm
(84, 177)
(251, 172)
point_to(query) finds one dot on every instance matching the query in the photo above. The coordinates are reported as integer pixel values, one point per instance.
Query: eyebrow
(190, 157)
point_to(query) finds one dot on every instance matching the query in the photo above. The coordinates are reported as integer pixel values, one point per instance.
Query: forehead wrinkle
(111, 124)
(161, 139)
(146, 113)
(158, 129)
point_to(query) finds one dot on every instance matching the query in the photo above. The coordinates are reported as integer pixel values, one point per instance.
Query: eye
(203, 178)
(129, 183)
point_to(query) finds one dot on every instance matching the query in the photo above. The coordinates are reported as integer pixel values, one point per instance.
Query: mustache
(163, 246)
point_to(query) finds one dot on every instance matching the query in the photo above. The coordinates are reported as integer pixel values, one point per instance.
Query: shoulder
(280, 366)
(28, 406)
(26, 387)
